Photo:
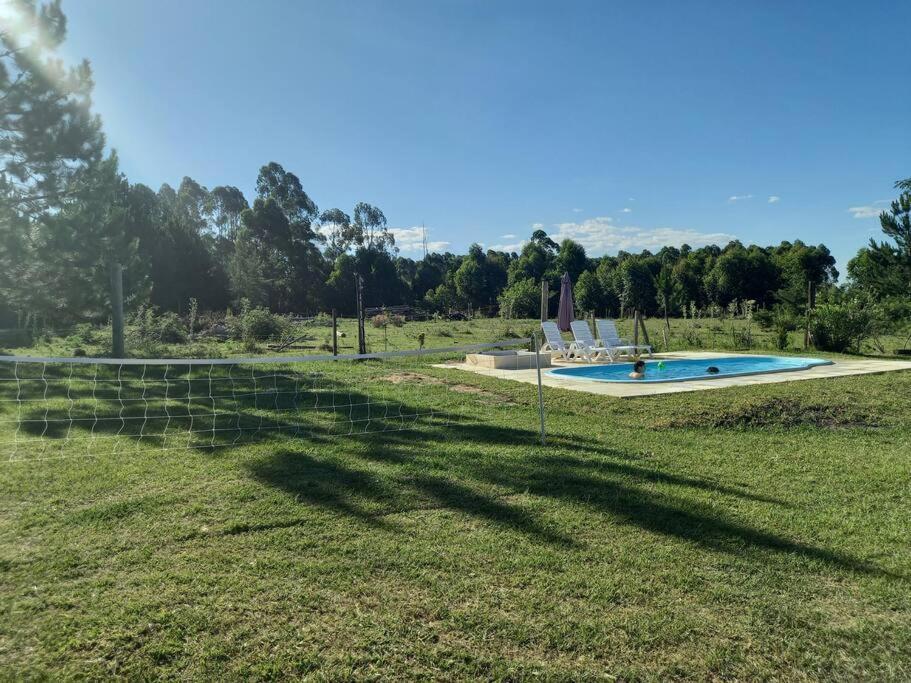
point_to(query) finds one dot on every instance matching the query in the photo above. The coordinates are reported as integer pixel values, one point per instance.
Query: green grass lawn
(748, 533)
(316, 337)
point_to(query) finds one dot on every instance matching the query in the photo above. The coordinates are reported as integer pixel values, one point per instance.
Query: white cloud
(774, 199)
(739, 197)
(509, 248)
(411, 239)
(600, 236)
(870, 210)
(510, 236)
(626, 210)
(577, 210)
(537, 226)
(631, 199)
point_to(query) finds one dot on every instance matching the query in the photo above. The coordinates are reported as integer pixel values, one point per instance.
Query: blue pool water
(684, 369)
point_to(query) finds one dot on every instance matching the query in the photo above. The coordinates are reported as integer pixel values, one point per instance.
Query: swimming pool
(687, 369)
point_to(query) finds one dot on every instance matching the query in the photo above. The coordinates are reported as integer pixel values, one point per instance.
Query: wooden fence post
(644, 329)
(545, 297)
(334, 333)
(361, 332)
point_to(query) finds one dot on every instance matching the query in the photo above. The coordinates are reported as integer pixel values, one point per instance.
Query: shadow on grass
(419, 472)
(613, 489)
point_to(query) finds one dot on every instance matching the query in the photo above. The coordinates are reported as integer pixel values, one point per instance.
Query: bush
(255, 324)
(83, 333)
(261, 324)
(382, 319)
(170, 329)
(783, 323)
(520, 300)
(765, 318)
(841, 327)
(148, 327)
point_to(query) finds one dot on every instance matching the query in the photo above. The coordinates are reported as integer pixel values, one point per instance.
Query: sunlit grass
(666, 537)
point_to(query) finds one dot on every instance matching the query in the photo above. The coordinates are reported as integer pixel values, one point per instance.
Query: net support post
(117, 345)
(540, 388)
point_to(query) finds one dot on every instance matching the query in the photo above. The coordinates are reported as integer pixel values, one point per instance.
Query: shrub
(255, 324)
(520, 300)
(379, 320)
(783, 323)
(841, 327)
(83, 333)
(691, 338)
(765, 318)
(170, 329)
(149, 327)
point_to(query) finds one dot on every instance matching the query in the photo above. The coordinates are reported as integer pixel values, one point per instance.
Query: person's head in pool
(712, 370)
(638, 370)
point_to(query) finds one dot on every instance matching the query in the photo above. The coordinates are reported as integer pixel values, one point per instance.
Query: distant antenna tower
(424, 239)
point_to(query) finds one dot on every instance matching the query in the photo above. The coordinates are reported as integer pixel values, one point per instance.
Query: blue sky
(622, 125)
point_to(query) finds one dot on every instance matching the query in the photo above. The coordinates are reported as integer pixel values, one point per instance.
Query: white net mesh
(58, 408)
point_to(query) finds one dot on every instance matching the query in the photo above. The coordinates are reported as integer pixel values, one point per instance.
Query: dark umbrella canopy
(565, 314)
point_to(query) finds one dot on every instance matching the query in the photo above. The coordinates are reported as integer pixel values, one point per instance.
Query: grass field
(316, 337)
(748, 533)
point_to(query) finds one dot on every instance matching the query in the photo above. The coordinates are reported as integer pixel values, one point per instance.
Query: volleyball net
(72, 407)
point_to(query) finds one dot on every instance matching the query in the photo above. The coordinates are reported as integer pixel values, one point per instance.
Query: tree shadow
(613, 489)
(318, 409)
(196, 411)
(323, 483)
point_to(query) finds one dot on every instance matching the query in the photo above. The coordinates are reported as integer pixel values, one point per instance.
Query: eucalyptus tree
(668, 292)
(279, 227)
(368, 229)
(571, 259)
(588, 294)
(470, 279)
(227, 204)
(335, 226)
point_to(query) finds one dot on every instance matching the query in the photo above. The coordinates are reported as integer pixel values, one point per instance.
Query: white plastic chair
(553, 341)
(585, 344)
(610, 339)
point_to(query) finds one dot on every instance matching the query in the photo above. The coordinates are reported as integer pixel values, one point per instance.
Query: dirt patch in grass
(417, 378)
(776, 412)
(412, 378)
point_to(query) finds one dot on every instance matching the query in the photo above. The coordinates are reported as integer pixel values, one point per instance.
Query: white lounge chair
(610, 339)
(585, 344)
(553, 342)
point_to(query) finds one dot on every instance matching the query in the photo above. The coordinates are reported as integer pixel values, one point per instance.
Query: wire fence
(53, 407)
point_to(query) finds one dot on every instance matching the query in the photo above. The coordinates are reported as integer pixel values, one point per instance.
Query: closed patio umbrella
(565, 314)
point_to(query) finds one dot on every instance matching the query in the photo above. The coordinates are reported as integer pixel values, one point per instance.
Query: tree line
(67, 213)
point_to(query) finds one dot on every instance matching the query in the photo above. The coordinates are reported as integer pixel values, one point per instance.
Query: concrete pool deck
(839, 368)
